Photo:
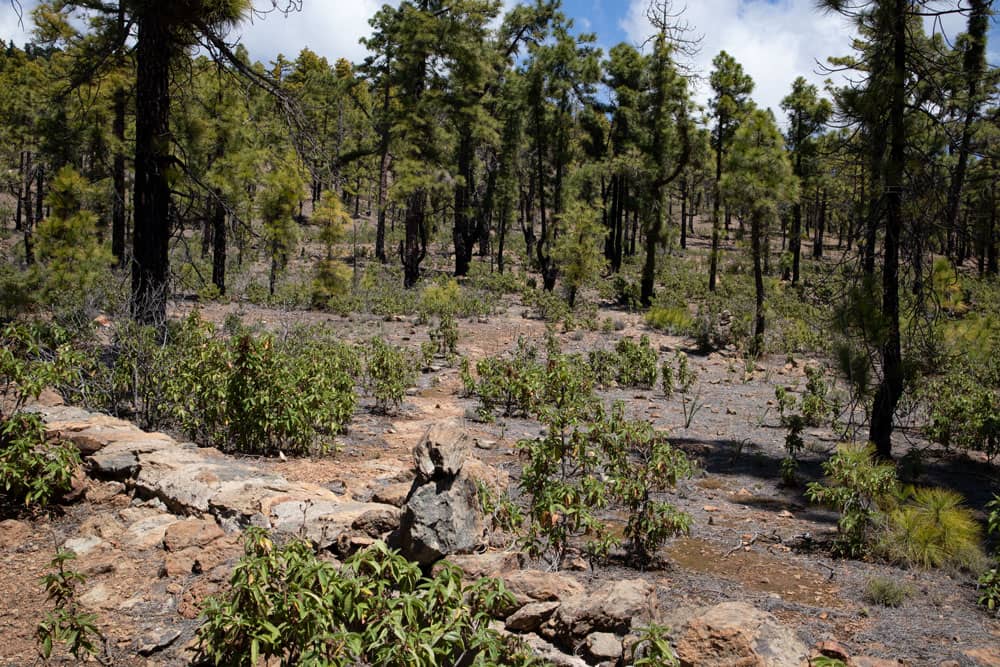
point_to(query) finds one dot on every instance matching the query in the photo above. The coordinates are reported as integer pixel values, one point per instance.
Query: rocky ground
(156, 526)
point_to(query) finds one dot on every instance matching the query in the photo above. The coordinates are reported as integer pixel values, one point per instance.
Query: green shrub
(637, 363)
(445, 336)
(388, 372)
(963, 411)
(67, 623)
(652, 648)
(860, 489)
(675, 320)
(512, 383)
(31, 359)
(34, 471)
(933, 529)
(886, 592)
(287, 605)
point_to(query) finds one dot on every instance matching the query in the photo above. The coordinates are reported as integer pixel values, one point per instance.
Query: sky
(774, 40)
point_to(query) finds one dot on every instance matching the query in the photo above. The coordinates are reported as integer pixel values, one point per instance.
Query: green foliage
(653, 649)
(578, 251)
(989, 590)
(33, 357)
(637, 363)
(886, 592)
(933, 529)
(388, 372)
(512, 383)
(445, 336)
(287, 605)
(674, 320)
(859, 488)
(963, 410)
(34, 471)
(67, 623)
(501, 512)
(72, 262)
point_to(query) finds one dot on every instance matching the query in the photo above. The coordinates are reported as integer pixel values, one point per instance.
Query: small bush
(287, 605)
(34, 471)
(886, 592)
(512, 384)
(933, 529)
(388, 372)
(67, 623)
(637, 363)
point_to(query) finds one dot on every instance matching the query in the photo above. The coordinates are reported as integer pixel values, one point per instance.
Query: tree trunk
(151, 235)
(684, 204)
(820, 228)
(462, 232)
(890, 388)
(756, 243)
(118, 166)
(413, 248)
(219, 244)
(28, 226)
(713, 268)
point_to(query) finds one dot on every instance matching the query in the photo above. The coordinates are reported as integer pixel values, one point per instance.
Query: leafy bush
(637, 363)
(859, 488)
(933, 529)
(285, 604)
(653, 649)
(30, 362)
(34, 471)
(512, 383)
(989, 583)
(963, 411)
(445, 336)
(67, 623)
(388, 372)
(886, 592)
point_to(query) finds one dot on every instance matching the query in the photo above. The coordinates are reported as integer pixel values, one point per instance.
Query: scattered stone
(537, 586)
(489, 564)
(833, 649)
(550, 654)
(149, 532)
(98, 597)
(735, 633)
(864, 661)
(441, 452)
(378, 521)
(338, 486)
(82, 546)
(156, 640)
(531, 616)
(482, 443)
(603, 646)
(393, 494)
(611, 608)
(710, 508)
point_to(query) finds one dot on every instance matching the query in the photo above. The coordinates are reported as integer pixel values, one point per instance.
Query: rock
(379, 521)
(735, 634)
(149, 532)
(489, 564)
(550, 654)
(603, 646)
(864, 661)
(537, 586)
(191, 533)
(98, 597)
(833, 649)
(441, 452)
(393, 494)
(611, 608)
(102, 492)
(531, 616)
(496, 479)
(197, 560)
(440, 519)
(13, 533)
(82, 546)
(156, 640)
(321, 521)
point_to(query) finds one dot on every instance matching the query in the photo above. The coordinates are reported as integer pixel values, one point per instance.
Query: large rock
(550, 654)
(735, 634)
(441, 453)
(611, 608)
(531, 616)
(604, 646)
(536, 586)
(440, 518)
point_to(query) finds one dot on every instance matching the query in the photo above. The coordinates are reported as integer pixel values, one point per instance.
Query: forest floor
(753, 539)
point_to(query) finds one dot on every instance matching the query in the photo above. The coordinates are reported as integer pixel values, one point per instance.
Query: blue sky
(775, 40)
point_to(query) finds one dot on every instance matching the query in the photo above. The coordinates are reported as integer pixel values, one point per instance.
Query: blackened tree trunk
(890, 387)
(151, 234)
(756, 244)
(118, 166)
(463, 231)
(413, 248)
(219, 244)
(713, 268)
(820, 228)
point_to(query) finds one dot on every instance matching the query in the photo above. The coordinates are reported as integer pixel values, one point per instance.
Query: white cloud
(775, 40)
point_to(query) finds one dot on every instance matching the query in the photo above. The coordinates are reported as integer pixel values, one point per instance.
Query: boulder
(603, 646)
(489, 564)
(440, 518)
(191, 533)
(611, 608)
(393, 494)
(550, 654)
(531, 616)
(536, 586)
(735, 634)
(441, 453)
